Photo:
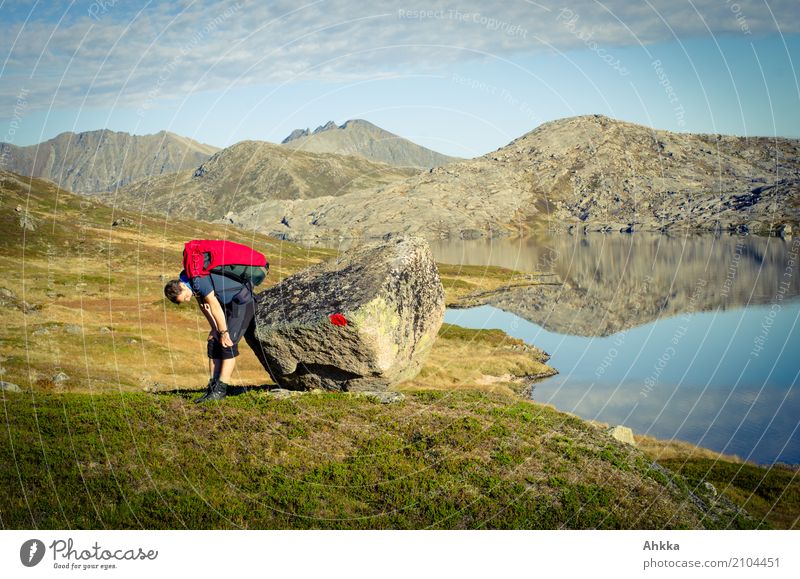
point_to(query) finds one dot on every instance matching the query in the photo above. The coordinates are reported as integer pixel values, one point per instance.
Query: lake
(690, 337)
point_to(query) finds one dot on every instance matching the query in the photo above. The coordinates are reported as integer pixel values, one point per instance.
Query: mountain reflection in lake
(693, 338)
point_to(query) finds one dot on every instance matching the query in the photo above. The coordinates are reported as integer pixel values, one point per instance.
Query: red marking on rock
(338, 320)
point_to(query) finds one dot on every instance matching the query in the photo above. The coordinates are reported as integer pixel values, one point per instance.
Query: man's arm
(206, 309)
(217, 318)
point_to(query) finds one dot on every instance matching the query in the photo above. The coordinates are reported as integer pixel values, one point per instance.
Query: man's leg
(221, 369)
(226, 369)
(238, 318)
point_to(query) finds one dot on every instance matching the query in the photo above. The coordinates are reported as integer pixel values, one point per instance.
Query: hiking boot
(209, 388)
(217, 390)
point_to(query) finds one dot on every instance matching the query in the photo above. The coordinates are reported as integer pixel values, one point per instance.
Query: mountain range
(587, 173)
(362, 138)
(239, 177)
(580, 174)
(103, 160)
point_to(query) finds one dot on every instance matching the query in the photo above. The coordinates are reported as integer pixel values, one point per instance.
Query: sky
(463, 78)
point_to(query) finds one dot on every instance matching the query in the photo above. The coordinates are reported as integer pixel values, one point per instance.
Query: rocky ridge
(103, 160)
(588, 173)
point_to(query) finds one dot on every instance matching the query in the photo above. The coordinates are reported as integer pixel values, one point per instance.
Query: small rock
(122, 222)
(9, 387)
(157, 387)
(283, 393)
(623, 434)
(27, 222)
(60, 377)
(384, 397)
(18, 208)
(40, 331)
(105, 330)
(710, 488)
(73, 329)
(132, 341)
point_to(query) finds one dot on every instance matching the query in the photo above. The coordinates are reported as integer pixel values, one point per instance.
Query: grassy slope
(86, 276)
(95, 451)
(436, 460)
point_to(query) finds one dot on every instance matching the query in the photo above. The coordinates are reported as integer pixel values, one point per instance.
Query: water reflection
(692, 338)
(614, 282)
(696, 377)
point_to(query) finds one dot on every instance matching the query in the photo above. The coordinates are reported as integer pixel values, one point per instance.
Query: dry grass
(677, 449)
(483, 360)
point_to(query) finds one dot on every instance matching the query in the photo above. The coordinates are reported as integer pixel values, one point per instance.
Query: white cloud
(169, 48)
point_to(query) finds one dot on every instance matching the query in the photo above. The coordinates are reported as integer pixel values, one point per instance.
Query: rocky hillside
(104, 160)
(240, 177)
(362, 138)
(582, 173)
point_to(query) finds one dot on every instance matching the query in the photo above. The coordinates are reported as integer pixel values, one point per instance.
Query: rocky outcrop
(363, 321)
(9, 387)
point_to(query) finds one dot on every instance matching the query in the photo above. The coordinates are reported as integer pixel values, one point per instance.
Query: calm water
(695, 338)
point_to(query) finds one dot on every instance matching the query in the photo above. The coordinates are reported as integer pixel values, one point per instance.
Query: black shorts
(239, 316)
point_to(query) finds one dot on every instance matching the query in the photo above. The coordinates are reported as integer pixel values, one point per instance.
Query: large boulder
(363, 321)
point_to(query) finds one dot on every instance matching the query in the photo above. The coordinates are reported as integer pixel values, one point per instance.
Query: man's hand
(226, 341)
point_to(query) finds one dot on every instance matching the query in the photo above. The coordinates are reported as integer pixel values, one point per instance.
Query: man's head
(177, 292)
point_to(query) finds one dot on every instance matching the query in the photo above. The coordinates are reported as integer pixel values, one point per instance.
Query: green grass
(436, 460)
(771, 494)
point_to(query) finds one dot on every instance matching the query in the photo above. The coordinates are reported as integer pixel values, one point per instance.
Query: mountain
(581, 173)
(241, 176)
(104, 160)
(362, 138)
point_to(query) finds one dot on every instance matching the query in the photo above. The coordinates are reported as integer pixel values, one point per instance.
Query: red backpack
(234, 260)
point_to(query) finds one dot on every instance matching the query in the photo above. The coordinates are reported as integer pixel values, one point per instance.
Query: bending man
(229, 307)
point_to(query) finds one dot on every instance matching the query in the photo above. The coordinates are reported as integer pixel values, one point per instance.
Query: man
(229, 307)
